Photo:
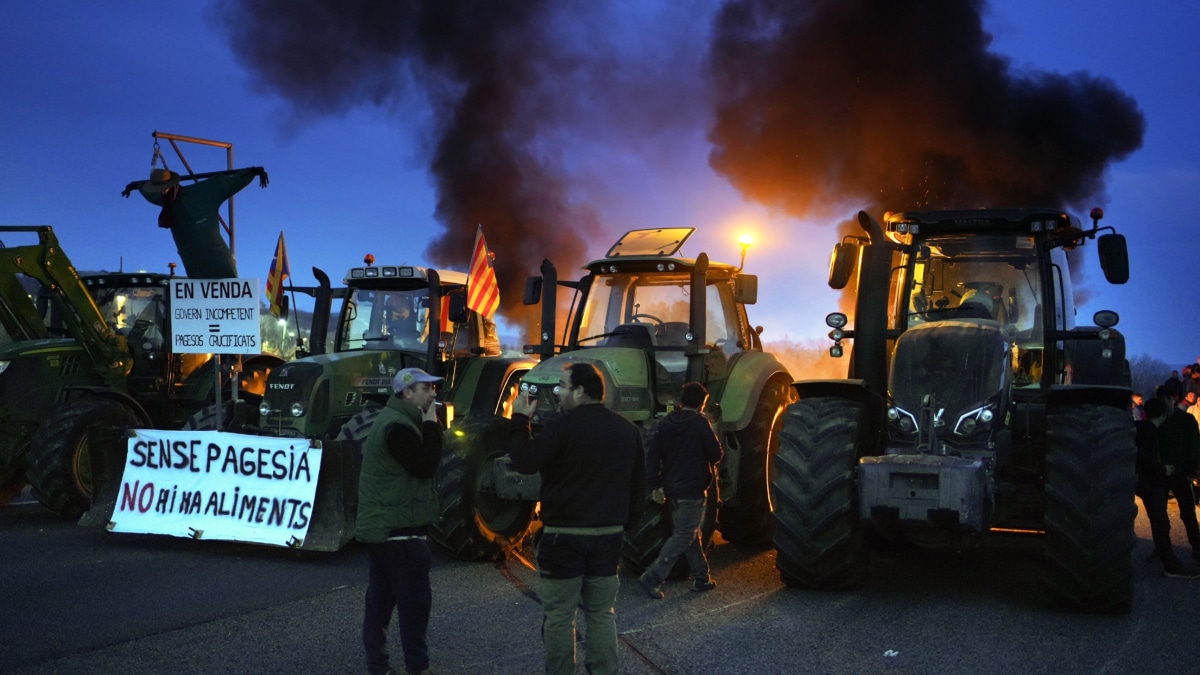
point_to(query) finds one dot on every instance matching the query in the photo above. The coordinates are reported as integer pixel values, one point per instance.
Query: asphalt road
(81, 600)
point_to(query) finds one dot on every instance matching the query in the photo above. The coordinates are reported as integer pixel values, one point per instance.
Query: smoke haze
(826, 105)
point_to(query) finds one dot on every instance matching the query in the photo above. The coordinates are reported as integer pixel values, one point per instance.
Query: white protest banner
(218, 485)
(215, 316)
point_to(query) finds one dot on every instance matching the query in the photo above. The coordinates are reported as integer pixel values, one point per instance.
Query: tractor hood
(962, 363)
(626, 373)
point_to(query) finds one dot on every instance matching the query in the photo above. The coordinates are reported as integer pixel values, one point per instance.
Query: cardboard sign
(215, 316)
(218, 485)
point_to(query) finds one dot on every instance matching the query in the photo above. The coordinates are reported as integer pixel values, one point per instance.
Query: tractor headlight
(902, 419)
(264, 408)
(4, 366)
(298, 409)
(974, 420)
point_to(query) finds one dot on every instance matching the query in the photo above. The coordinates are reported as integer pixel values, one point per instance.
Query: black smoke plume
(487, 67)
(823, 106)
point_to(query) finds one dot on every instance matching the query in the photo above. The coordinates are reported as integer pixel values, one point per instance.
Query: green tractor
(86, 357)
(651, 321)
(391, 317)
(974, 404)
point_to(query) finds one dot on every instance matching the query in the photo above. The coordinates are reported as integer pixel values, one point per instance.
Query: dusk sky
(607, 110)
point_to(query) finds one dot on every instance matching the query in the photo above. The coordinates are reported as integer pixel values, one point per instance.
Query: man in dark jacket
(192, 213)
(396, 503)
(593, 484)
(680, 467)
(1179, 451)
(1152, 488)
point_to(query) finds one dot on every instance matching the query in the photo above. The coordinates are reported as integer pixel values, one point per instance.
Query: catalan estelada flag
(483, 293)
(280, 270)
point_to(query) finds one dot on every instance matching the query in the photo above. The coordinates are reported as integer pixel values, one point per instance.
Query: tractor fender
(478, 389)
(144, 418)
(748, 376)
(1067, 394)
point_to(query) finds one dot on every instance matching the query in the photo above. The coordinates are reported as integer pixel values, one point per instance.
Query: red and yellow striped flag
(483, 293)
(280, 270)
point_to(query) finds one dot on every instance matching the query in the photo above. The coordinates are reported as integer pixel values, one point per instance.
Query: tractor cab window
(138, 313)
(384, 319)
(989, 278)
(992, 278)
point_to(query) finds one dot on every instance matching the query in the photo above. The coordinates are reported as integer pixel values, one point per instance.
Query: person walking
(680, 466)
(1152, 490)
(592, 467)
(1179, 451)
(396, 503)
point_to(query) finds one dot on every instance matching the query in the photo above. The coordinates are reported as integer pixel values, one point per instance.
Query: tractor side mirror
(745, 289)
(533, 291)
(457, 311)
(1114, 257)
(841, 264)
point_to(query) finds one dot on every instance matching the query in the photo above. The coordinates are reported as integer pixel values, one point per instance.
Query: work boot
(649, 587)
(701, 585)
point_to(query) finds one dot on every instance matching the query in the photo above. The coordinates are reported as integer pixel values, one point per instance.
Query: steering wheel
(657, 321)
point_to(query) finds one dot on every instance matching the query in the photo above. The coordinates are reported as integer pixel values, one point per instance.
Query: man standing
(680, 467)
(593, 483)
(1179, 451)
(1152, 489)
(192, 213)
(396, 502)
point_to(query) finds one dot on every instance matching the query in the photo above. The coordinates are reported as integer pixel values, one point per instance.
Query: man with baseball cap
(396, 503)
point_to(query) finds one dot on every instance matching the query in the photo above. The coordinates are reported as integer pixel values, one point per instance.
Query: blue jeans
(687, 516)
(399, 581)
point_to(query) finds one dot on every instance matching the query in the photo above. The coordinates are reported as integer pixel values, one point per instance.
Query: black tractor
(974, 403)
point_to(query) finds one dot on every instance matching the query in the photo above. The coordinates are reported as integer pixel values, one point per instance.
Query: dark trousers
(399, 581)
(687, 517)
(1154, 500)
(1181, 486)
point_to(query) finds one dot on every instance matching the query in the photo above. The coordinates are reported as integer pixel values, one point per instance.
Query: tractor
(650, 321)
(973, 404)
(88, 356)
(391, 317)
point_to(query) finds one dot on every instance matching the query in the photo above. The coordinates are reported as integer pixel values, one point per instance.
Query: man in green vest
(396, 503)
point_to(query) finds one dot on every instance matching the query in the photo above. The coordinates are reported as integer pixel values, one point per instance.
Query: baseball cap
(410, 376)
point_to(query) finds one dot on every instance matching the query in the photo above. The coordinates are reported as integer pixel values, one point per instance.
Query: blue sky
(83, 85)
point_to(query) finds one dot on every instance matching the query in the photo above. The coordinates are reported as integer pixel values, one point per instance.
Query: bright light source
(745, 240)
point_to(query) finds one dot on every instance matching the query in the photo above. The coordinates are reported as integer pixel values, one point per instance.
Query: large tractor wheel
(78, 438)
(745, 519)
(818, 535)
(1090, 508)
(358, 427)
(475, 523)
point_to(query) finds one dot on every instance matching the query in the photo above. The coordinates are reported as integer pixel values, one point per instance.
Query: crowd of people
(1168, 463)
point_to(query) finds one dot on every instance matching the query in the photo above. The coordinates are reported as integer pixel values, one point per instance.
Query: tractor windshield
(137, 312)
(661, 303)
(384, 319)
(993, 277)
